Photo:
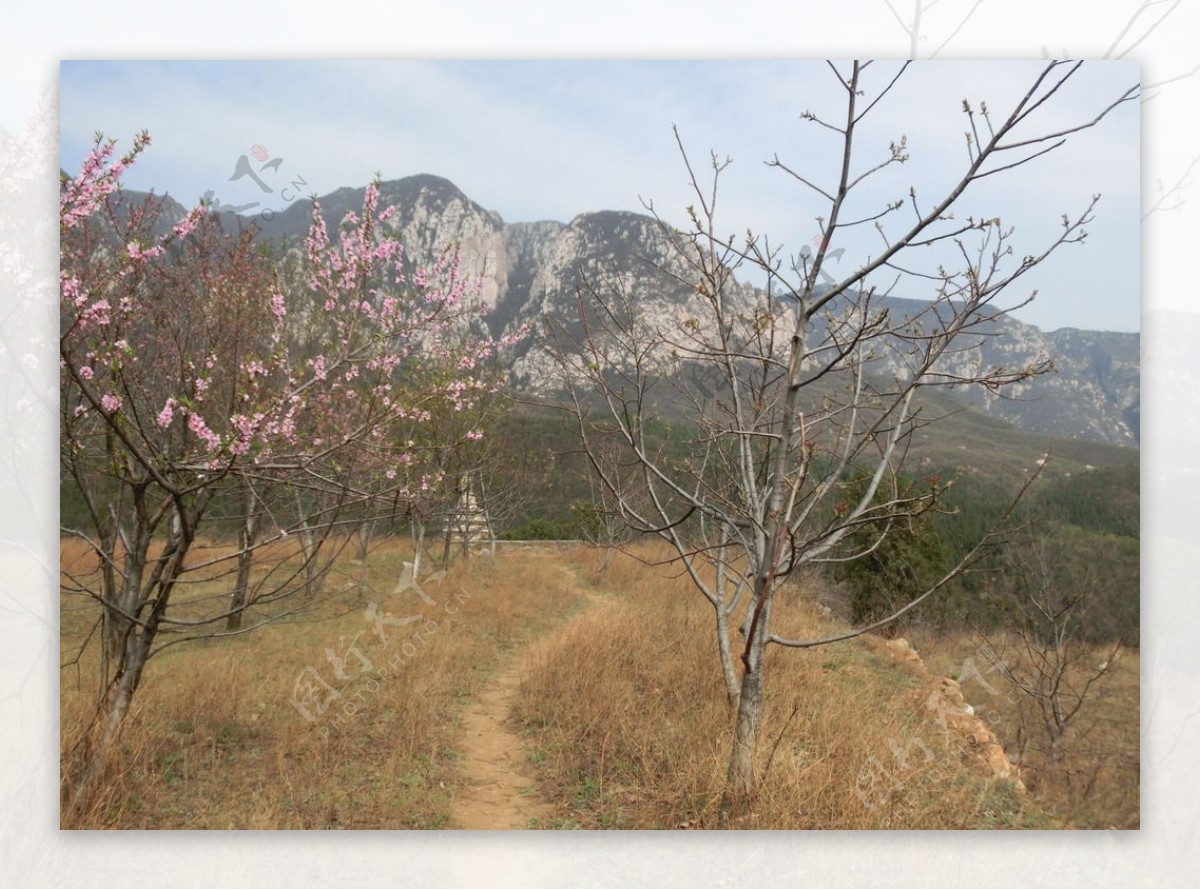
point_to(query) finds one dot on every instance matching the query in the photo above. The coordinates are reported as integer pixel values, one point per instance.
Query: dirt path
(497, 792)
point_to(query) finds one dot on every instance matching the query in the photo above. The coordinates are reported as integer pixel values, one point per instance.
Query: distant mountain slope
(532, 270)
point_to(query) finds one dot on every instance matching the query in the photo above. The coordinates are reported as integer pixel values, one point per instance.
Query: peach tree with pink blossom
(214, 416)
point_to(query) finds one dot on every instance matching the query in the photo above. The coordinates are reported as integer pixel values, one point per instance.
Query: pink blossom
(167, 414)
(246, 427)
(82, 196)
(382, 315)
(96, 314)
(185, 226)
(72, 290)
(137, 252)
(197, 425)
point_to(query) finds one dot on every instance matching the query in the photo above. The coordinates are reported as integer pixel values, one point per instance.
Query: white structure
(467, 521)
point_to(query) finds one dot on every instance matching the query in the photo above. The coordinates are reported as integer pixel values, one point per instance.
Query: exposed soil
(498, 792)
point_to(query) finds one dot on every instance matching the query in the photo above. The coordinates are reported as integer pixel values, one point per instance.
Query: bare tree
(1056, 673)
(601, 523)
(810, 384)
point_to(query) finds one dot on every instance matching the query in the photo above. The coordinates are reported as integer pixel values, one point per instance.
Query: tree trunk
(110, 718)
(418, 539)
(237, 601)
(247, 535)
(452, 520)
(724, 607)
(366, 531)
(114, 624)
(315, 574)
(728, 671)
(603, 563)
(310, 547)
(1057, 747)
(740, 779)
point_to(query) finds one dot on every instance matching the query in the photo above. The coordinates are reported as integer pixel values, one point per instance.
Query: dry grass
(1097, 783)
(623, 710)
(213, 741)
(632, 730)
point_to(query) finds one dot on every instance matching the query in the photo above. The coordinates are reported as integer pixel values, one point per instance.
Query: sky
(553, 139)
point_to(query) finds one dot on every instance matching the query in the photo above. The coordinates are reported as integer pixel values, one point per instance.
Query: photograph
(600, 444)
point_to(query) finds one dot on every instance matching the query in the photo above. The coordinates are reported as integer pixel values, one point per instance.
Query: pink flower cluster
(392, 349)
(197, 425)
(167, 414)
(84, 195)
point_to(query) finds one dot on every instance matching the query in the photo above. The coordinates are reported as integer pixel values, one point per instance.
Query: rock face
(532, 271)
(1105, 368)
(1093, 391)
(941, 700)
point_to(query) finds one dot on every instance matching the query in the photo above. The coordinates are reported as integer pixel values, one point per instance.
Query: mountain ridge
(531, 270)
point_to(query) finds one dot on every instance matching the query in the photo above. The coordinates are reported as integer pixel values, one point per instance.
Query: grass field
(213, 740)
(620, 708)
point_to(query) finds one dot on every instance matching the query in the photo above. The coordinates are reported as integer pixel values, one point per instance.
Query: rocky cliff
(532, 270)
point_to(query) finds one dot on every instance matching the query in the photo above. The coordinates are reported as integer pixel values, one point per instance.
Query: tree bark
(110, 716)
(247, 535)
(724, 652)
(310, 547)
(740, 779)
(418, 539)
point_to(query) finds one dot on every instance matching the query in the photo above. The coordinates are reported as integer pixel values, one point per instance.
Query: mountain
(532, 271)
(1093, 390)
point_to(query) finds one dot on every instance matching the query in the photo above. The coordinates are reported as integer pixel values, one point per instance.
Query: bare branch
(972, 556)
